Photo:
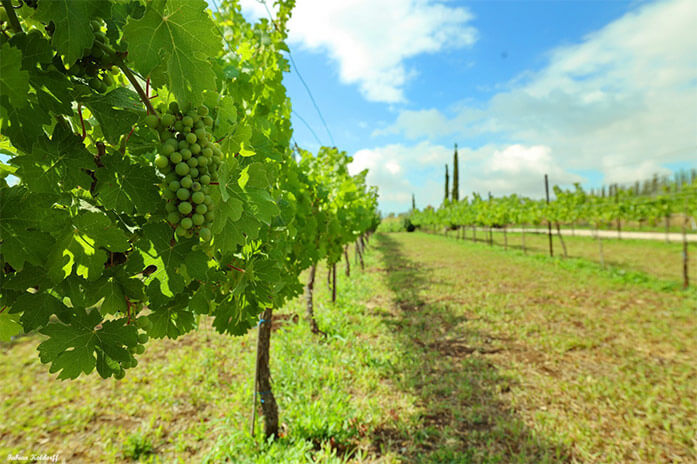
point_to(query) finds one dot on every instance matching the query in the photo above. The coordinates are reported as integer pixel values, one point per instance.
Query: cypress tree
(447, 181)
(456, 178)
(413, 202)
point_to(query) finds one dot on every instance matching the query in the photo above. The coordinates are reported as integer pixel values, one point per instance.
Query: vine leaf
(175, 38)
(71, 348)
(116, 112)
(73, 34)
(14, 83)
(9, 327)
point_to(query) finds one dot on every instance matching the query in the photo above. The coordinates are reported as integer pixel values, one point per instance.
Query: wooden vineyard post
(549, 223)
(333, 270)
(505, 239)
(309, 303)
(262, 378)
(522, 228)
(685, 257)
(348, 262)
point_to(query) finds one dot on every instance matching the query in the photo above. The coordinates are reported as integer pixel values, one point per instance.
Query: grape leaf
(59, 163)
(116, 112)
(37, 308)
(21, 224)
(73, 34)
(35, 48)
(14, 83)
(123, 186)
(9, 327)
(172, 41)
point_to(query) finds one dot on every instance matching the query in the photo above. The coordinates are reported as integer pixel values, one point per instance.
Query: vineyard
(180, 281)
(573, 210)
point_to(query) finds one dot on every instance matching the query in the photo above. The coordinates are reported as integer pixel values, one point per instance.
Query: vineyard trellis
(148, 180)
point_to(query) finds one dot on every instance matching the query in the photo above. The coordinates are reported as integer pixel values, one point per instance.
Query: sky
(595, 92)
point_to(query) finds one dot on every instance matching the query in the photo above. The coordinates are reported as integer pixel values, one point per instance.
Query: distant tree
(456, 178)
(447, 181)
(413, 202)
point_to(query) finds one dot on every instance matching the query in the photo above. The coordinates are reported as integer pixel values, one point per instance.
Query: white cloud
(371, 41)
(623, 101)
(401, 170)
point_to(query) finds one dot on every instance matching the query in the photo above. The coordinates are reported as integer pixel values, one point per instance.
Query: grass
(442, 351)
(652, 257)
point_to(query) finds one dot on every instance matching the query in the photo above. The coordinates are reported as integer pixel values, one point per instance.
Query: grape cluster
(144, 324)
(96, 66)
(189, 159)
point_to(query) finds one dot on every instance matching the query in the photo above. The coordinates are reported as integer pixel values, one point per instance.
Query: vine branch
(118, 59)
(11, 15)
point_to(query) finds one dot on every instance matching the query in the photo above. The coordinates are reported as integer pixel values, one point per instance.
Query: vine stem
(82, 121)
(118, 59)
(11, 15)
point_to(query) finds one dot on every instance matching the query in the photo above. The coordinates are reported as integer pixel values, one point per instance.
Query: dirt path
(671, 236)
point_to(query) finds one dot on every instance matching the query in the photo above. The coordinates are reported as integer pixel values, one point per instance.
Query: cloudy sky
(591, 92)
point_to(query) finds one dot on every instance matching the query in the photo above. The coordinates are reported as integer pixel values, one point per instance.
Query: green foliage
(150, 178)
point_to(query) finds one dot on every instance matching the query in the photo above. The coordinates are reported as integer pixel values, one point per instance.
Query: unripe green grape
(183, 194)
(182, 169)
(203, 110)
(166, 149)
(174, 186)
(161, 161)
(195, 148)
(198, 197)
(185, 207)
(205, 179)
(120, 374)
(199, 125)
(191, 138)
(210, 216)
(175, 157)
(193, 162)
(152, 121)
(144, 323)
(183, 144)
(205, 233)
(186, 223)
(201, 209)
(170, 207)
(196, 186)
(200, 133)
(178, 126)
(187, 182)
(208, 201)
(186, 154)
(208, 121)
(143, 338)
(168, 119)
(194, 172)
(134, 363)
(173, 217)
(180, 231)
(140, 349)
(202, 170)
(188, 121)
(172, 141)
(194, 116)
(202, 161)
(207, 152)
(198, 219)
(169, 195)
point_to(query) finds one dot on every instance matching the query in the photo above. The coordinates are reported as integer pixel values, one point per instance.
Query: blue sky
(588, 92)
